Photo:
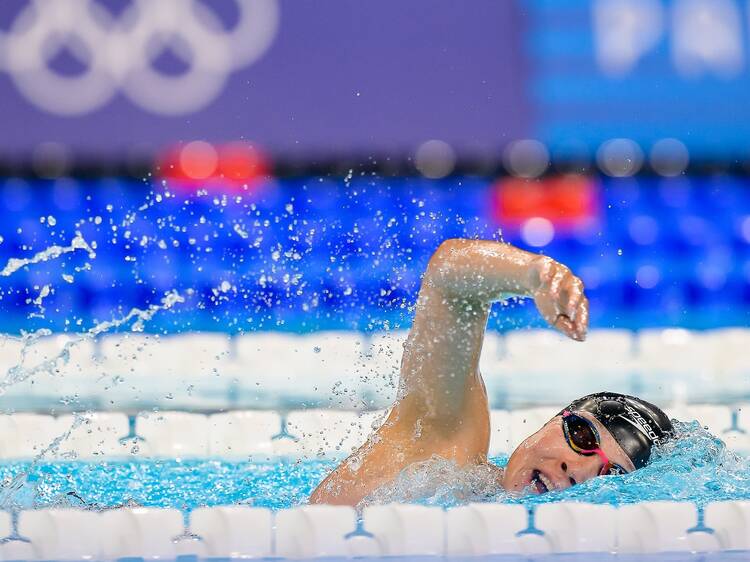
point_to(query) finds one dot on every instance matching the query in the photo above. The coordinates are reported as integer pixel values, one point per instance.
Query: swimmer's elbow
(445, 261)
(480, 270)
(465, 267)
(448, 250)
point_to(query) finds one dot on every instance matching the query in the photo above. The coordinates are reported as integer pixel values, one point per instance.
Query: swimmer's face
(545, 462)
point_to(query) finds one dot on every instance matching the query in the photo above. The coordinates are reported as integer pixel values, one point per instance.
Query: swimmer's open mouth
(540, 482)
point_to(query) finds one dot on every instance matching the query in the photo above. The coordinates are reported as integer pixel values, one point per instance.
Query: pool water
(696, 467)
(160, 483)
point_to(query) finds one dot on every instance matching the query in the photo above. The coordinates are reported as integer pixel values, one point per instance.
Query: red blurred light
(198, 160)
(564, 200)
(234, 164)
(240, 162)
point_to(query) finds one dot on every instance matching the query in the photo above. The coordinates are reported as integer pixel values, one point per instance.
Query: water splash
(438, 481)
(44, 292)
(141, 316)
(696, 467)
(22, 489)
(52, 365)
(241, 232)
(53, 252)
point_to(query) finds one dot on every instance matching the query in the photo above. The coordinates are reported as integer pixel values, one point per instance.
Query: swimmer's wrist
(537, 272)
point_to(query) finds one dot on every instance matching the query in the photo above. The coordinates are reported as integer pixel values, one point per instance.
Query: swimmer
(442, 408)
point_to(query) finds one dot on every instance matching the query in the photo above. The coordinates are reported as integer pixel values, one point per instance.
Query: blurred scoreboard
(640, 69)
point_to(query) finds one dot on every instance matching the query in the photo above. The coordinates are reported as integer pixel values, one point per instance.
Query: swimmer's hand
(463, 272)
(558, 295)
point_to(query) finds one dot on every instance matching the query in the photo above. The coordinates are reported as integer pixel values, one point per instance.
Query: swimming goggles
(583, 437)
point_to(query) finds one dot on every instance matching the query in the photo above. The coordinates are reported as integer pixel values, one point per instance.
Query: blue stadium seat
(355, 250)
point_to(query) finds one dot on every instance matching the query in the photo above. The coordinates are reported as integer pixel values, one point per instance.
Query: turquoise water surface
(697, 467)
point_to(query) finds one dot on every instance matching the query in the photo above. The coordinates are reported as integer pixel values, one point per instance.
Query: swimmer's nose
(558, 477)
(567, 477)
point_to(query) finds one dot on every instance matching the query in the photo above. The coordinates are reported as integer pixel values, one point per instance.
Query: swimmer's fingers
(547, 295)
(582, 318)
(565, 325)
(574, 329)
(561, 301)
(566, 289)
(546, 309)
(558, 281)
(573, 295)
(547, 304)
(549, 308)
(574, 321)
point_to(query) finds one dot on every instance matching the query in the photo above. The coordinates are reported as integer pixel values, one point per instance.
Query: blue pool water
(697, 467)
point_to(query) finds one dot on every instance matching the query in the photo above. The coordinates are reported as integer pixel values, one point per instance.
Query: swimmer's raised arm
(442, 406)
(441, 357)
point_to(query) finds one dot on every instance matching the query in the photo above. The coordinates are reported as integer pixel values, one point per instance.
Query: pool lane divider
(266, 434)
(321, 531)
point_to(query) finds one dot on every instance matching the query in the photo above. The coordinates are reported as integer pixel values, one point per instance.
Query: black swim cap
(635, 424)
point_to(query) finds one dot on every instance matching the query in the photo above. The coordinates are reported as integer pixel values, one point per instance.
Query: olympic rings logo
(119, 52)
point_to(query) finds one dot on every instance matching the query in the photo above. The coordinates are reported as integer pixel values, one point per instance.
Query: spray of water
(19, 491)
(51, 253)
(51, 365)
(696, 467)
(44, 292)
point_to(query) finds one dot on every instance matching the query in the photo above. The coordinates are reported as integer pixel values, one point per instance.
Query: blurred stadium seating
(318, 253)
